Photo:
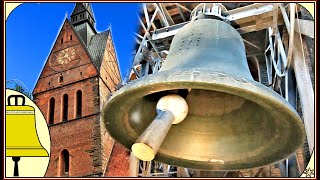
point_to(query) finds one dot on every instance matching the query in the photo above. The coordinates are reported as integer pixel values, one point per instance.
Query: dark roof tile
(80, 7)
(97, 47)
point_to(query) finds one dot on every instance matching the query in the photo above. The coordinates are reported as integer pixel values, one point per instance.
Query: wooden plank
(296, 162)
(181, 13)
(133, 166)
(265, 23)
(163, 20)
(146, 168)
(246, 8)
(305, 27)
(166, 14)
(305, 89)
(251, 19)
(166, 168)
(275, 18)
(182, 172)
(183, 7)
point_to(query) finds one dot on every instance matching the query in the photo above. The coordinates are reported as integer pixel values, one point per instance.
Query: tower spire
(83, 20)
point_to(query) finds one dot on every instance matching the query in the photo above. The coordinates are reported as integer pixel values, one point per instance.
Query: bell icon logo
(27, 137)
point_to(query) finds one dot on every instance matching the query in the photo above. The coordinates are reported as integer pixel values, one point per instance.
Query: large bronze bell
(233, 122)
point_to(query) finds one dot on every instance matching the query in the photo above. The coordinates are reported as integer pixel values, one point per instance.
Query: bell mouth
(233, 123)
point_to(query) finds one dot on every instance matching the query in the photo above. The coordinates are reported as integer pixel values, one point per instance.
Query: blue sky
(31, 30)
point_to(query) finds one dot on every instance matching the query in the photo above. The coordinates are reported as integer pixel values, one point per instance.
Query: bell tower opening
(83, 21)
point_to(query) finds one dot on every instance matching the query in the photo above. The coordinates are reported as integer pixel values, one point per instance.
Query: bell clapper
(16, 167)
(171, 109)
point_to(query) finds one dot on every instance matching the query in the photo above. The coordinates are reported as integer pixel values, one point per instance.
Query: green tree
(23, 91)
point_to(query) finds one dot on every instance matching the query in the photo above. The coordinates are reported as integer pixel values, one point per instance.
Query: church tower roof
(83, 7)
(82, 19)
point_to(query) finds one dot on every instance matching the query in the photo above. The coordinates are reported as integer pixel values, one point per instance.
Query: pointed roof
(97, 47)
(81, 7)
(97, 43)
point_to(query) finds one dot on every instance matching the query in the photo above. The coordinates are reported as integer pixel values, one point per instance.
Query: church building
(80, 73)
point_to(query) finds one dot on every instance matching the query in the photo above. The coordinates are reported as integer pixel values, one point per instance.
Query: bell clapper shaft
(171, 109)
(16, 167)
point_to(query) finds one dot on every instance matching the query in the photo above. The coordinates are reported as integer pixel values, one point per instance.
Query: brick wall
(80, 136)
(90, 99)
(114, 155)
(79, 68)
(118, 165)
(91, 149)
(77, 137)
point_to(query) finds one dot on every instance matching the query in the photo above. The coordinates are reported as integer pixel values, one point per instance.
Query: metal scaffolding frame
(284, 56)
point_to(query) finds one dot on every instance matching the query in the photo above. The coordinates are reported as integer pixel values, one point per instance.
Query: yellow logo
(27, 137)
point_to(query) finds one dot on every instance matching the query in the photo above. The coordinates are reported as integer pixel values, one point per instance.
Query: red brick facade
(91, 150)
(117, 162)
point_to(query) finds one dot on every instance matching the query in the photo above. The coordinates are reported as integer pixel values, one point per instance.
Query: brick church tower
(79, 74)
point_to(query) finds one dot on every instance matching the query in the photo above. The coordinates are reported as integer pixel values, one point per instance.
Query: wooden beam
(133, 166)
(246, 8)
(275, 18)
(257, 25)
(182, 172)
(161, 16)
(183, 7)
(305, 89)
(166, 14)
(181, 13)
(305, 27)
(254, 18)
(285, 16)
(146, 168)
(165, 168)
(146, 15)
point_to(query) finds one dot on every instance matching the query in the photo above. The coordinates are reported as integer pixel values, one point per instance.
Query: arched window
(51, 111)
(64, 163)
(65, 108)
(79, 104)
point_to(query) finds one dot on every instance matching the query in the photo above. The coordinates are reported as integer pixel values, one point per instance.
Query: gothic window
(70, 37)
(64, 162)
(51, 111)
(61, 40)
(65, 108)
(79, 104)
